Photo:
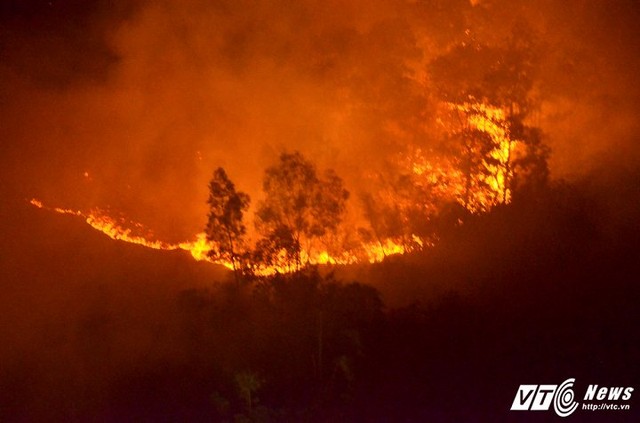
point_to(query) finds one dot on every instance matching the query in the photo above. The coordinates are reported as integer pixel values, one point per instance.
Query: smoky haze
(132, 107)
(129, 106)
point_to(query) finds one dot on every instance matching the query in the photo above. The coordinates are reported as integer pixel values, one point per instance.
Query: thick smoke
(133, 107)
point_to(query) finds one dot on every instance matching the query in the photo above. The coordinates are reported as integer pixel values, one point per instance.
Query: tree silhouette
(501, 77)
(531, 167)
(299, 208)
(384, 221)
(248, 383)
(225, 227)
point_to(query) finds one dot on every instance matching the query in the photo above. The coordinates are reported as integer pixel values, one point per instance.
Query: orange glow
(199, 247)
(493, 121)
(436, 177)
(377, 252)
(98, 220)
(447, 181)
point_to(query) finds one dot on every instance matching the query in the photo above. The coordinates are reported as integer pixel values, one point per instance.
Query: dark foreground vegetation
(534, 292)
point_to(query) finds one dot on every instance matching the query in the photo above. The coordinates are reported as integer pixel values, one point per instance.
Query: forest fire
(483, 133)
(318, 211)
(200, 247)
(492, 122)
(115, 230)
(478, 177)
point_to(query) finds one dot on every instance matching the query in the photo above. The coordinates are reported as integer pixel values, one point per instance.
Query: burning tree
(399, 214)
(487, 91)
(300, 208)
(225, 228)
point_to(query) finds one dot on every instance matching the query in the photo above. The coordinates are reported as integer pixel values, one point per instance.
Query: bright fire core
(488, 188)
(200, 247)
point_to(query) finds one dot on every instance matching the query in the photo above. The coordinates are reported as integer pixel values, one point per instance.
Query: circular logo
(563, 401)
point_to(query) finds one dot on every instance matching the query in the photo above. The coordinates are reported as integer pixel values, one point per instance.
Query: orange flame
(199, 247)
(444, 178)
(448, 180)
(98, 220)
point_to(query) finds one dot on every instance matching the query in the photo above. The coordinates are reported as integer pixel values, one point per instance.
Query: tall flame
(489, 188)
(492, 120)
(443, 178)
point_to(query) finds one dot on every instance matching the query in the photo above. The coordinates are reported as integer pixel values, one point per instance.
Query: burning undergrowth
(488, 154)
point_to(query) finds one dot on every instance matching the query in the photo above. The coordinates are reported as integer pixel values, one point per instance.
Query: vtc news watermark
(562, 398)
